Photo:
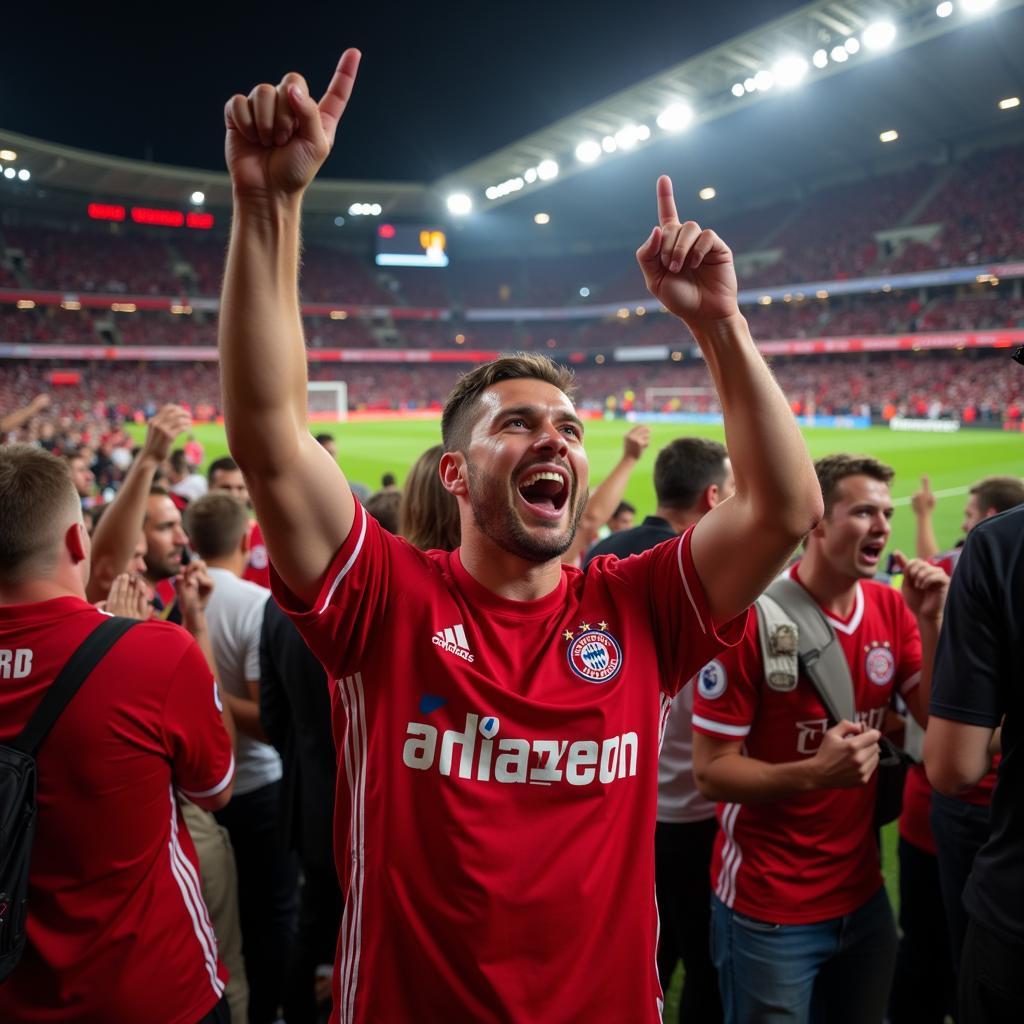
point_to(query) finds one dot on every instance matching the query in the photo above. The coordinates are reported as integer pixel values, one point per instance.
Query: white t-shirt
(234, 616)
(192, 487)
(679, 800)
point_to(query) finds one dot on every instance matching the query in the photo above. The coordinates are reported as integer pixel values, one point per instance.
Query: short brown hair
(215, 524)
(685, 468)
(459, 406)
(38, 502)
(998, 492)
(428, 516)
(384, 506)
(832, 469)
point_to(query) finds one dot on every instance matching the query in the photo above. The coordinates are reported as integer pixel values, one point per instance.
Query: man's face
(137, 566)
(973, 513)
(527, 472)
(82, 476)
(232, 482)
(165, 538)
(625, 520)
(854, 533)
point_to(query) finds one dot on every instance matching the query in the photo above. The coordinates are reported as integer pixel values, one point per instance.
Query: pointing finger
(666, 203)
(332, 104)
(926, 484)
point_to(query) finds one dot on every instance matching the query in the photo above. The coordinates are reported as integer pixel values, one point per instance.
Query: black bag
(824, 664)
(18, 787)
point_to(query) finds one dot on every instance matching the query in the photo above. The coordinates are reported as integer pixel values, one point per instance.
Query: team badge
(879, 664)
(594, 654)
(712, 680)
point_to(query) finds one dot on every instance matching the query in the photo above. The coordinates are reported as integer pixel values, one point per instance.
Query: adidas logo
(453, 640)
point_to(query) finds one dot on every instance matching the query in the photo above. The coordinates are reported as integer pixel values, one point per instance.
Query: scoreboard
(411, 245)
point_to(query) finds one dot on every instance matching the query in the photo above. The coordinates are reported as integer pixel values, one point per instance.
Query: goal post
(327, 401)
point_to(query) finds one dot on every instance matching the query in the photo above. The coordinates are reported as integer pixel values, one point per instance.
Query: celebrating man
(497, 714)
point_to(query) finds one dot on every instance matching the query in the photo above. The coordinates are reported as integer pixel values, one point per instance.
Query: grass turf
(953, 462)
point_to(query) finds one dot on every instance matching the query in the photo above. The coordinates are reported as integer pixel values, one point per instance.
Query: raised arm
(923, 504)
(742, 543)
(277, 139)
(118, 531)
(605, 497)
(13, 420)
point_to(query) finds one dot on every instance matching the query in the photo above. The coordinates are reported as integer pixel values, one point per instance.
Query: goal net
(327, 401)
(694, 399)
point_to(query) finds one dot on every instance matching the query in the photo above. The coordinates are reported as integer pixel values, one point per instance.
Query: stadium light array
(365, 210)
(547, 170)
(852, 45)
(1009, 103)
(9, 155)
(608, 144)
(530, 175)
(790, 71)
(738, 90)
(748, 85)
(198, 198)
(764, 80)
(9, 172)
(24, 174)
(588, 151)
(820, 59)
(879, 35)
(944, 10)
(839, 54)
(459, 204)
(676, 117)
(890, 135)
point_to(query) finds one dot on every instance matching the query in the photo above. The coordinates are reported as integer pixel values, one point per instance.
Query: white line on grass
(949, 492)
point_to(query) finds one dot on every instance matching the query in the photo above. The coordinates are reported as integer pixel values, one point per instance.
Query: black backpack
(18, 787)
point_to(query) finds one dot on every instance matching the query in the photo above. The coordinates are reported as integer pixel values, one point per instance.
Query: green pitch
(953, 461)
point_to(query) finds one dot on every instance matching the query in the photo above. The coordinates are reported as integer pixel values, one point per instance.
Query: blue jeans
(836, 971)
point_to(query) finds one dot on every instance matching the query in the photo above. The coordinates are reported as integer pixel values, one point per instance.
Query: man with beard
(497, 713)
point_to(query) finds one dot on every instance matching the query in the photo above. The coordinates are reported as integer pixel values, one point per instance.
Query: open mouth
(545, 491)
(872, 552)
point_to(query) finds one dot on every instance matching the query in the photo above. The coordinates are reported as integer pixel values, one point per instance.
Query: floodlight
(748, 85)
(8, 155)
(608, 144)
(9, 172)
(1009, 103)
(839, 54)
(627, 137)
(789, 71)
(977, 6)
(643, 133)
(529, 176)
(24, 174)
(459, 204)
(890, 135)
(584, 292)
(547, 169)
(588, 151)
(675, 117)
(738, 90)
(764, 80)
(820, 58)
(852, 45)
(944, 10)
(542, 218)
(198, 198)
(879, 35)
(339, 222)
(375, 209)
(707, 193)
(491, 192)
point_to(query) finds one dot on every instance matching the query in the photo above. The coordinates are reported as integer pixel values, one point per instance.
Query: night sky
(440, 85)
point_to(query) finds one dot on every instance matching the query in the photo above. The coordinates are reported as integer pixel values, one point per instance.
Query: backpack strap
(820, 654)
(70, 678)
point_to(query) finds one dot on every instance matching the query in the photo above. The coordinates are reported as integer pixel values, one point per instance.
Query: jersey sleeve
(971, 663)
(353, 598)
(684, 633)
(727, 689)
(908, 668)
(198, 745)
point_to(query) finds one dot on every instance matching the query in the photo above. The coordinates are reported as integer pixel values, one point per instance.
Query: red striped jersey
(812, 856)
(117, 930)
(498, 779)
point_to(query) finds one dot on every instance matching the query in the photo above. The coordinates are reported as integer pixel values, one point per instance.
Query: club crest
(712, 680)
(594, 654)
(880, 664)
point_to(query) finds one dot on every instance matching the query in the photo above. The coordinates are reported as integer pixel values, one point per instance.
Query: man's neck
(505, 574)
(34, 591)
(835, 593)
(680, 519)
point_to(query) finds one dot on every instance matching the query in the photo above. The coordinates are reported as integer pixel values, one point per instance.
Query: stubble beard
(495, 516)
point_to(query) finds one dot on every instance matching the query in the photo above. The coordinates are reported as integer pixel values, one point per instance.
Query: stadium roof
(937, 84)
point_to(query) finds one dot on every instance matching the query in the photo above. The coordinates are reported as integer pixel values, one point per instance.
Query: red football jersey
(812, 856)
(117, 931)
(498, 779)
(257, 569)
